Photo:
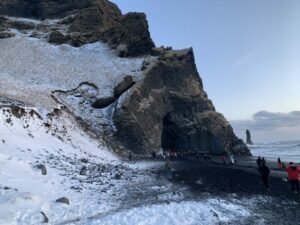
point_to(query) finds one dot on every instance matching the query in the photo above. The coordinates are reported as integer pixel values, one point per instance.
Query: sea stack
(248, 141)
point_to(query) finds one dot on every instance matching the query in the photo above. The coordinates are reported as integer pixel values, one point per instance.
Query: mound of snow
(188, 213)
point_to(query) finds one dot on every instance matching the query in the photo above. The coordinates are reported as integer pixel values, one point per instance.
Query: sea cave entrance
(179, 137)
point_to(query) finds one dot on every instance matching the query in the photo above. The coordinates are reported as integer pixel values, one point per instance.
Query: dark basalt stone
(169, 109)
(103, 102)
(56, 37)
(248, 141)
(63, 200)
(123, 86)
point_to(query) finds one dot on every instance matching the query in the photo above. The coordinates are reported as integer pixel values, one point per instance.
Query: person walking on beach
(264, 173)
(279, 163)
(169, 169)
(293, 176)
(232, 160)
(258, 162)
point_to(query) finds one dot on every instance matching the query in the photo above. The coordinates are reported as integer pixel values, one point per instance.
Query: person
(279, 163)
(223, 159)
(205, 157)
(153, 154)
(232, 160)
(293, 176)
(264, 173)
(130, 156)
(208, 157)
(258, 162)
(169, 169)
(263, 161)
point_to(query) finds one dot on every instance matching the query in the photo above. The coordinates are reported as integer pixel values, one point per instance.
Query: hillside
(83, 87)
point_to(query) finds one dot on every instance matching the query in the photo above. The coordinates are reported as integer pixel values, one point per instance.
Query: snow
(210, 211)
(42, 68)
(110, 192)
(27, 143)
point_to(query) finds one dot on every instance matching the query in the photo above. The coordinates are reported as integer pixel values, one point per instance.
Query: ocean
(286, 150)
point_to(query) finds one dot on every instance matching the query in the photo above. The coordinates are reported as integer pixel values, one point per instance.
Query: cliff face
(169, 109)
(161, 104)
(85, 21)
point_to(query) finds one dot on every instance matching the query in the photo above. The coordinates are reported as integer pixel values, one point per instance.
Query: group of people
(293, 172)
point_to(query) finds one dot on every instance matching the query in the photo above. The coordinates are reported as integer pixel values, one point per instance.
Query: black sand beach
(278, 205)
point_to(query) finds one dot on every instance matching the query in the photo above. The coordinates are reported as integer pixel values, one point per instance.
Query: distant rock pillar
(248, 141)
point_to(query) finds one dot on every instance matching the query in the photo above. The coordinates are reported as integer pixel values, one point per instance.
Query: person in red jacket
(293, 176)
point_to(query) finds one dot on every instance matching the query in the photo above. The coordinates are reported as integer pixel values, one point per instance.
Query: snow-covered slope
(101, 188)
(31, 68)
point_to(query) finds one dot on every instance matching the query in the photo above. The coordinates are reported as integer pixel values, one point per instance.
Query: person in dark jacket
(258, 162)
(264, 173)
(279, 163)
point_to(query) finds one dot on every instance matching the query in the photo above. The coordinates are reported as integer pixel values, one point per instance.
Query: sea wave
(287, 149)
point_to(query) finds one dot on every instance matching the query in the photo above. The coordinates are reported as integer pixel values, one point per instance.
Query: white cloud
(268, 126)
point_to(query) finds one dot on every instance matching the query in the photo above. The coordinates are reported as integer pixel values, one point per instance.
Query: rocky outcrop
(83, 22)
(122, 87)
(131, 37)
(248, 138)
(169, 109)
(165, 107)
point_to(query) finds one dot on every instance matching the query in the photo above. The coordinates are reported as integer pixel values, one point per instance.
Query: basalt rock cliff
(169, 109)
(84, 21)
(162, 105)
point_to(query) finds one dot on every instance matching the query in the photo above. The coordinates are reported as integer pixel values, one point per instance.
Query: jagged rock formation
(161, 105)
(84, 22)
(170, 109)
(248, 140)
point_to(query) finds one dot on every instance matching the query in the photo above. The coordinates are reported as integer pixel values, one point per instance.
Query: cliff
(151, 99)
(169, 109)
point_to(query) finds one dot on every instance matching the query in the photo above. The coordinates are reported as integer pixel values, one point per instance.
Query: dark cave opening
(171, 135)
(179, 137)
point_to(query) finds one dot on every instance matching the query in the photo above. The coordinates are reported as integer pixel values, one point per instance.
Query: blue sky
(247, 51)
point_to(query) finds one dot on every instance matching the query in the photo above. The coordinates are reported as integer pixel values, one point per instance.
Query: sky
(247, 52)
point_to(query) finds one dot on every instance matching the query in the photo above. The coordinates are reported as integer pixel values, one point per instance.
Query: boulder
(43, 169)
(103, 102)
(5, 34)
(20, 25)
(46, 220)
(83, 170)
(83, 160)
(123, 86)
(169, 109)
(63, 200)
(56, 37)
